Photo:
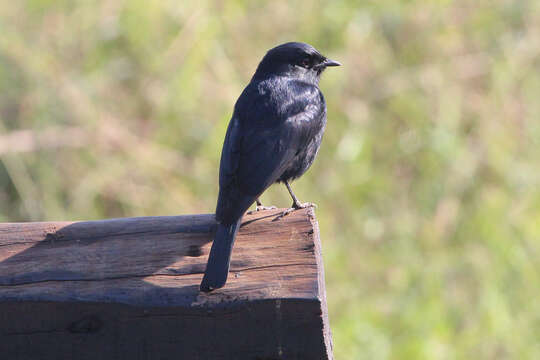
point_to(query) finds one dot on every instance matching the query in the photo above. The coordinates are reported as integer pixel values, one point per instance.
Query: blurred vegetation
(428, 180)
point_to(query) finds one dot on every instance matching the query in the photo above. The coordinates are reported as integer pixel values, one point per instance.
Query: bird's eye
(305, 62)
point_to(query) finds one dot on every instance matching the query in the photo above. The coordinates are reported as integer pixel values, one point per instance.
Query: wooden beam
(129, 289)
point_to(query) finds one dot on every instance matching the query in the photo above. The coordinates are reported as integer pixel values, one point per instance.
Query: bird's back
(276, 130)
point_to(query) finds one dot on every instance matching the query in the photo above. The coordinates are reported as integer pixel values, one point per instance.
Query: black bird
(273, 136)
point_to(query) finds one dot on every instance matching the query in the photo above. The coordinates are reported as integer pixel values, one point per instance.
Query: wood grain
(130, 288)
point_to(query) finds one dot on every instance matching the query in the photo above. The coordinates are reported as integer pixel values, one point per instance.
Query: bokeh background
(428, 180)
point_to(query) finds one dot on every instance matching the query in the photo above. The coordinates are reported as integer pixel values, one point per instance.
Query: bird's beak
(329, 62)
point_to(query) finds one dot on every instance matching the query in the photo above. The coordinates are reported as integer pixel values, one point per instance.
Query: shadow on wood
(128, 289)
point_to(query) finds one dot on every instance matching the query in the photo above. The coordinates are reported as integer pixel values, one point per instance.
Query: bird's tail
(217, 267)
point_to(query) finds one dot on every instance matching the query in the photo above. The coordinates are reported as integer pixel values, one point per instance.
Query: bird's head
(294, 59)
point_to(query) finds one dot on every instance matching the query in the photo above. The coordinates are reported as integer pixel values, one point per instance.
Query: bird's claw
(296, 206)
(299, 205)
(261, 208)
(284, 213)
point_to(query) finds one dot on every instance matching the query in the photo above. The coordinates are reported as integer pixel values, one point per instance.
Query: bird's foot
(295, 206)
(261, 208)
(283, 214)
(299, 205)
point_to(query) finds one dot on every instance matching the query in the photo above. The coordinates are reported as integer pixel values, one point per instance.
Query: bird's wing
(230, 154)
(256, 153)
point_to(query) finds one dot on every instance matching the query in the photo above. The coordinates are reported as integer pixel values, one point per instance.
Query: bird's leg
(296, 204)
(260, 207)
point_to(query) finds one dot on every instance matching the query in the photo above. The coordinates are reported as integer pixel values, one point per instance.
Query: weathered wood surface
(128, 289)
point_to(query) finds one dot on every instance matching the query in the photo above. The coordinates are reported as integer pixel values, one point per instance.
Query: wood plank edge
(327, 333)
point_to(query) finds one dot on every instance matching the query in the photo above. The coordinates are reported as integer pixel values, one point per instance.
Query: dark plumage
(273, 136)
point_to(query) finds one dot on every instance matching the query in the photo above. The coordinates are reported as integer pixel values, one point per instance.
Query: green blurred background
(428, 180)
